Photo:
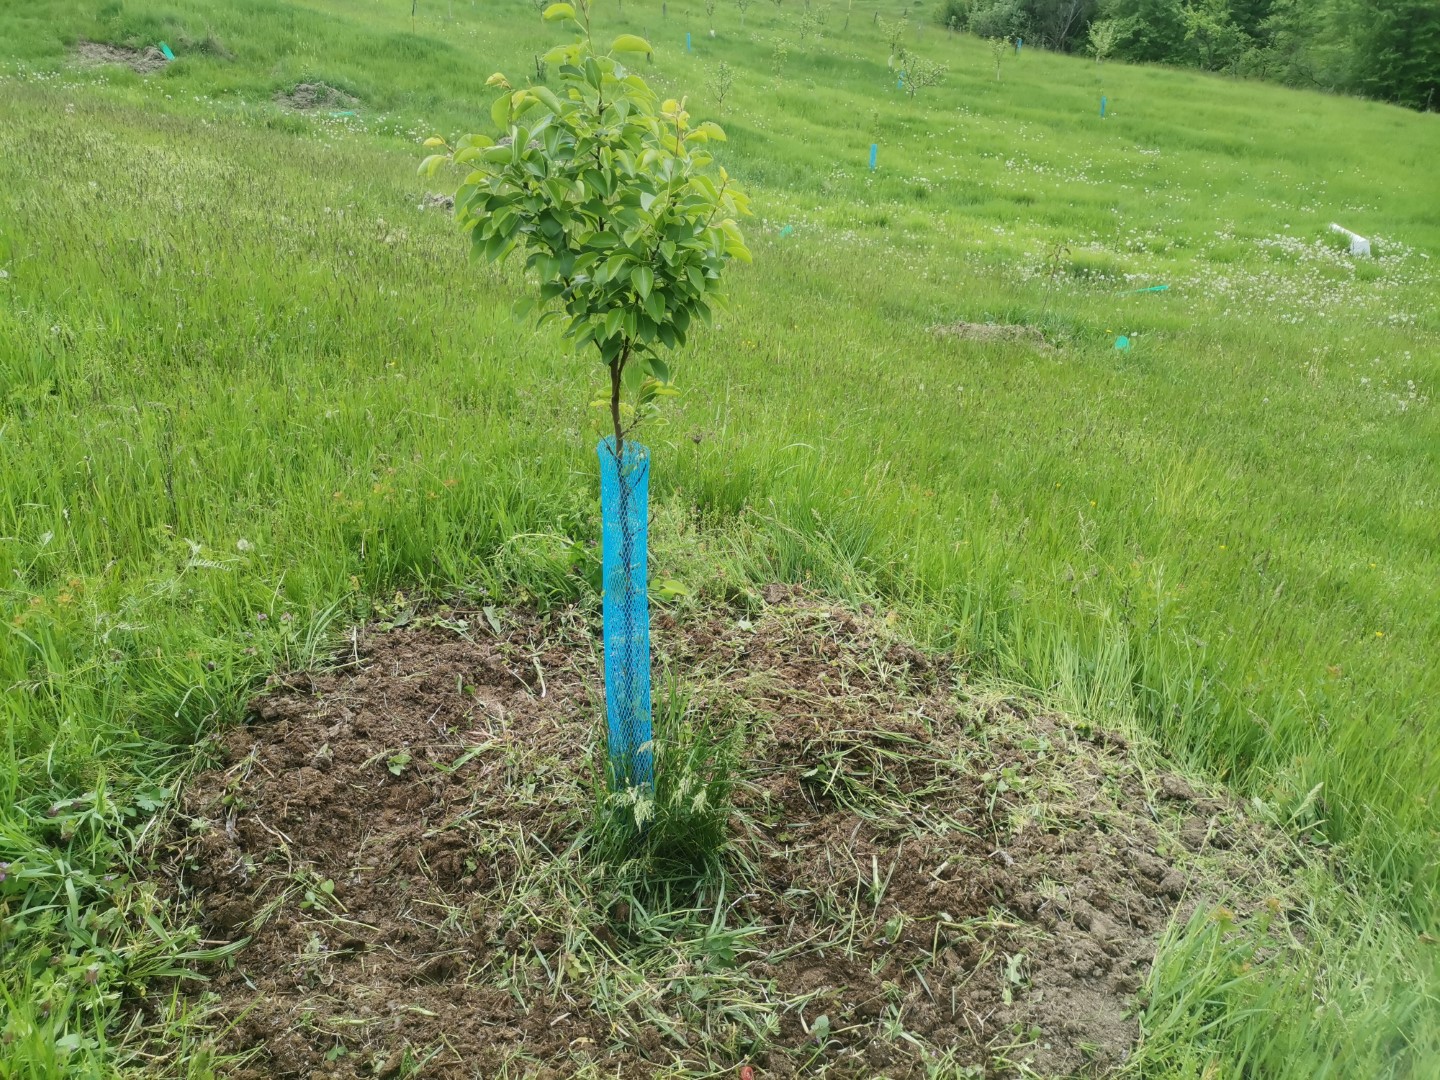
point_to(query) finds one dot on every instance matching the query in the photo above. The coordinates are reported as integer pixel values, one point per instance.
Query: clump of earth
(920, 871)
(144, 60)
(992, 332)
(308, 96)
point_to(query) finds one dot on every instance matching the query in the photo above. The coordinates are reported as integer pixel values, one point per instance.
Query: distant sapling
(779, 54)
(894, 34)
(721, 82)
(998, 48)
(921, 73)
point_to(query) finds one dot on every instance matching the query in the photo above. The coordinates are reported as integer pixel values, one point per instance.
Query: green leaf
(431, 164)
(500, 112)
(613, 319)
(496, 246)
(547, 97)
(643, 278)
(556, 12)
(669, 589)
(658, 368)
(655, 307)
(629, 43)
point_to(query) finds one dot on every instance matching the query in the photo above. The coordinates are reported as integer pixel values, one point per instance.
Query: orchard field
(254, 394)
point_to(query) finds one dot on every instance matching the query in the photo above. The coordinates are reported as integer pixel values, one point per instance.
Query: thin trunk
(615, 368)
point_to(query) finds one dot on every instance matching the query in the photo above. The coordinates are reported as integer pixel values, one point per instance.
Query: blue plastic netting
(624, 495)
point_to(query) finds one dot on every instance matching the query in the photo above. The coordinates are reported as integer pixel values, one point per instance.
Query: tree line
(1385, 49)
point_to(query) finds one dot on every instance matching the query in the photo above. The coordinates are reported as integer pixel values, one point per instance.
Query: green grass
(242, 373)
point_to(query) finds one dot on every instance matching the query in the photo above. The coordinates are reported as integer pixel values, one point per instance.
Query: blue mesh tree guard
(624, 498)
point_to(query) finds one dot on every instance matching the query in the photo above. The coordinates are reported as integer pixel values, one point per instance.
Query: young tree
(744, 6)
(721, 82)
(894, 33)
(710, 15)
(999, 47)
(921, 73)
(608, 192)
(1104, 33)
(779, 55)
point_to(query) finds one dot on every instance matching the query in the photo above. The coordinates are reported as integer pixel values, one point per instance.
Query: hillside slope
(246, 369)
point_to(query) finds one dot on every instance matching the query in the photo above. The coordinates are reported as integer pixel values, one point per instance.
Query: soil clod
(992, 332)
(144, 61)
(310, 96)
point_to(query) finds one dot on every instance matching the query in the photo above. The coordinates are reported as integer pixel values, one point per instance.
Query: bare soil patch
(309, 96)
(992, 332)
(145, 61)
(923, 876)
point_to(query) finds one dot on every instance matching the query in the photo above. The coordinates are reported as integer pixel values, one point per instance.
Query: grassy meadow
(251, 386)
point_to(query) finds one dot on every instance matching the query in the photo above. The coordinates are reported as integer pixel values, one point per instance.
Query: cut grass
(247, 337)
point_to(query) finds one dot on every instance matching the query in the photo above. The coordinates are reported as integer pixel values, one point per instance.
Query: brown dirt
(922, 873)
(992, 332)
(143, 60)
(306, 97)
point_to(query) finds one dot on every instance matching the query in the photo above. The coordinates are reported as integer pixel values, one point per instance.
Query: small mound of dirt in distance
(306, 97)
(924, 878)
(143, 60)
(992, 332)
(438, 201)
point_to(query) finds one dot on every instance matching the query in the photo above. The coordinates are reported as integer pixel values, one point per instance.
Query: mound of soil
(143, 60)
(992, 332)
(923, 875)
(306, 97)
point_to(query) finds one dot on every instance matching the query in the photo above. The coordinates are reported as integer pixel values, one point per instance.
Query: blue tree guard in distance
(624, 498)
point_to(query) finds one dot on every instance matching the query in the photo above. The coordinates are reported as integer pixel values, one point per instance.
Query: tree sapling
(721, 82)
(609, 193)
(894, 34)
(998, 48)
(921, 73)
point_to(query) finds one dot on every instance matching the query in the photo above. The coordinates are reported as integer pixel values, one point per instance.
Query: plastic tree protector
(624, 498)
